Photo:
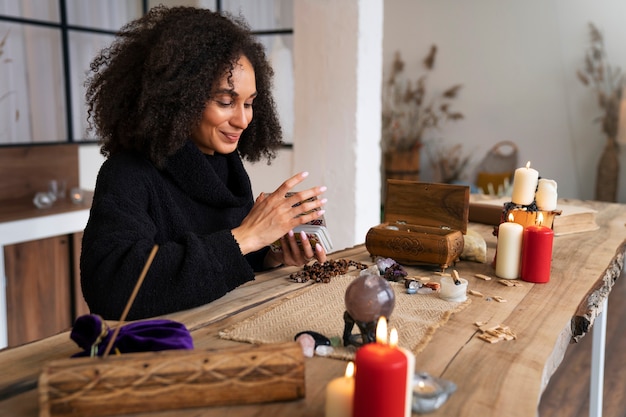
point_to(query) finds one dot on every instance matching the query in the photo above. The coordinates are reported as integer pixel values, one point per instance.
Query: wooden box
(423, 223)
(171, 380)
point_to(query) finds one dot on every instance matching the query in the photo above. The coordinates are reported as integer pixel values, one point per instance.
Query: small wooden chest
(424, 223)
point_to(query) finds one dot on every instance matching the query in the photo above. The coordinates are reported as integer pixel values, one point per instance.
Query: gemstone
(369, 297)
(318, 338)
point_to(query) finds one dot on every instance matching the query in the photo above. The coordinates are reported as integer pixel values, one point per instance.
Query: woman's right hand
(274, 215)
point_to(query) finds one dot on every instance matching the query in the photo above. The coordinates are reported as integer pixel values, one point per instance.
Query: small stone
(411, 290)
(425, 290)
(319, 338)
(307, 343)
(323, 350)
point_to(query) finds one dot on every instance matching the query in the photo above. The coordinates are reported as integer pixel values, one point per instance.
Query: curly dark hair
(148, 89)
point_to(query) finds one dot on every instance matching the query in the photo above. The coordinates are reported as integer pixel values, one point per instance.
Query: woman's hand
(293, 254)
(274, 216)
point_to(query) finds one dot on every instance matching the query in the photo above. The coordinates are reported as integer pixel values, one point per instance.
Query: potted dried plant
(408, 113)
(608, 83)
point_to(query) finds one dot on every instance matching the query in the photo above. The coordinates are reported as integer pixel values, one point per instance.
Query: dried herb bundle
(408, 111)
(606, 80)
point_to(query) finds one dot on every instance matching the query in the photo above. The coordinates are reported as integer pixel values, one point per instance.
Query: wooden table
(503, 379)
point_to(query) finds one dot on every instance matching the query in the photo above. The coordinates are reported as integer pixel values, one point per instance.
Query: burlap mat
(320, 308)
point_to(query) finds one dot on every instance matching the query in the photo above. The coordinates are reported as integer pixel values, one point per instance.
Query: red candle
(537, 252)
(380, 383)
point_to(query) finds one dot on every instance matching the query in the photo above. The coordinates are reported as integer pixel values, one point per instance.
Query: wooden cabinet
(43, 287)
(39, 248)
(38, 288)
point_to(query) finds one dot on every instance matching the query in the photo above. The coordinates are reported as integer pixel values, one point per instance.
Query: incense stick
(131, 300)
(455, 277)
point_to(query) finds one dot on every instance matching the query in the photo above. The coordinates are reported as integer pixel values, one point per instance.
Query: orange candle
(380, 384)
(537, 252)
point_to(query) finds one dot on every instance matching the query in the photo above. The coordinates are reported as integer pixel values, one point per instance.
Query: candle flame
(527, 164)
(511, 217)
(350, 370)
(539, 219)
(393, 337)
(381, 330)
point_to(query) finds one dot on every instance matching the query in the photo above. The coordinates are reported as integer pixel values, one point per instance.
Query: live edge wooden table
(502, 379)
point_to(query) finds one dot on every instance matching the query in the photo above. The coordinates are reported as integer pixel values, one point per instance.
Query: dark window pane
(205, 4)
(263, 14)
(108, 14)
(280, 53)
(47, 10)
(83, 48)
(32, 105)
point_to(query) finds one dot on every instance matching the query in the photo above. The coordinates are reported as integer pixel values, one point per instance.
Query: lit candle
(524, 185)
(340, 394)
(546, 195)
(410, 370)
(380, 386)
(509, 248)
(76, 195)
(537, 252)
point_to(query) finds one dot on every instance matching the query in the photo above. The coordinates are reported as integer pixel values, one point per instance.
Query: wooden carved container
(423, 223)
(170, 380)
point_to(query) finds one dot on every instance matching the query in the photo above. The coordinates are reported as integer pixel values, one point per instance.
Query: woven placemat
(321, 308)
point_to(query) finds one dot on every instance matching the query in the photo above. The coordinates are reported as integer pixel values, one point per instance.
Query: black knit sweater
(188, 209)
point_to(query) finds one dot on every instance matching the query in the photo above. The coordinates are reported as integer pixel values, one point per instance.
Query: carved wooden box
(423, 223)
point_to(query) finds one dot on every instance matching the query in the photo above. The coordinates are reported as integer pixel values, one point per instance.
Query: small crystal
(307, 343)
(323, 350)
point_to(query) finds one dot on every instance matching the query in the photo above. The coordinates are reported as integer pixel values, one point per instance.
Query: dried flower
(408, 111)
(605, 79)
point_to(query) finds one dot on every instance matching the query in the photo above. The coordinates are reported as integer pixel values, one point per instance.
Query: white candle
(340, 394)
(546, 195)
(509, 249)
(524, 185)
(410, 371)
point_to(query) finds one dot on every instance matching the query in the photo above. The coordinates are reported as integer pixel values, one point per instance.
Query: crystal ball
(368, 297)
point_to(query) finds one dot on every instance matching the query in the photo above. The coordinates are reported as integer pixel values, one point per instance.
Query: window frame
(65, 28)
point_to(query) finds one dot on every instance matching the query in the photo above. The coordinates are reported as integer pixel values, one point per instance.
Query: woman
(179, 98)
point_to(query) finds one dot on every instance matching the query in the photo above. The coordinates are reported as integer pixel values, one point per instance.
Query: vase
(608, 172)
(400, 165)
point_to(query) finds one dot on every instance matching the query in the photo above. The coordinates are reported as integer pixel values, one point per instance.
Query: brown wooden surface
(37, 289)
(12, 210)
(427, 204)
(567, 394)
(79, 304)
(171, 380)
(26, 170)
(503, 379)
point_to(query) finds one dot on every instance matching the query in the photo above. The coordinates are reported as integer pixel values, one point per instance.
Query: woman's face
(228, 112)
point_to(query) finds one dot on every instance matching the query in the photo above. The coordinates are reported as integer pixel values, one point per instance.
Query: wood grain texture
(37, 288)
(171, 380)
(26, 170)
(426, 204)
(503, 379)
(567, 394)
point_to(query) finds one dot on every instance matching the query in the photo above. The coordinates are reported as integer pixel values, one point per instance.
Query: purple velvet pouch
(92, 334)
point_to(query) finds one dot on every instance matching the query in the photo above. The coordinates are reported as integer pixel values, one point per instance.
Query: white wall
(517, 62)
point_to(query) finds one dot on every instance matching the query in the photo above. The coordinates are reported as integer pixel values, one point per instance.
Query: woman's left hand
(293, 254)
